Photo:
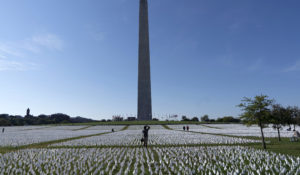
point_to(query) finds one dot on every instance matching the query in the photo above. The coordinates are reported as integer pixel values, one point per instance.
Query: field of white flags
(236, 130)
(98, 150)
(157, 160)
(16, 136)
(157, 136)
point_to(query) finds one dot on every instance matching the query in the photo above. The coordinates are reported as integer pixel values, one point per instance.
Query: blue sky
(80, 57)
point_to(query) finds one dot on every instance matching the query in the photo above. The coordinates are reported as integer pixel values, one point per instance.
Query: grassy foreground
(282, 147)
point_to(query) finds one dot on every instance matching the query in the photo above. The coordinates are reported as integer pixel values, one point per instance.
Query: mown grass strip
(213, 127)
(37, 128)
(166, 127)
(85, 127)
(125, 128)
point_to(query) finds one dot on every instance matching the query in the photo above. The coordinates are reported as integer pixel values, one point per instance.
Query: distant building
(131, 118)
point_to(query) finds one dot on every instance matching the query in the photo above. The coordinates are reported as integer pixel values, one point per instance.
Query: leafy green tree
(228, 119)
(289, 116)
(295, 116)
(298, 117)
(278, 117)
(184, 118)
(58, 118)
(195, 119)
(4, 122)
(205, 118)
(256, 111)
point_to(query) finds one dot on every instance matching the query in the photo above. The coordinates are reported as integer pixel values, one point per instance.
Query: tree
(184, 118)
(212, 120)
(278, 117)
(195, 119)
(4, 122)
(289, 117)
(4, 116)
(59, 118)
(205, 118)
(295, 116)
(228, 119)
(256, 111)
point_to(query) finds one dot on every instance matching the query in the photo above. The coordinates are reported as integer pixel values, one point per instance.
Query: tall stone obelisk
(144, 78)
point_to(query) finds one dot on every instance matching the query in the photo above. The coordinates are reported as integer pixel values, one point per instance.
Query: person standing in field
(184, 128)
(3, 130)
(145, 133)
(187, 128)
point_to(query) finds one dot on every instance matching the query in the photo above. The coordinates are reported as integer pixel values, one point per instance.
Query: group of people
(186, 128)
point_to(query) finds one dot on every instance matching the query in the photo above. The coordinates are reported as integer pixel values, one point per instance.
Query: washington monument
(144, 80)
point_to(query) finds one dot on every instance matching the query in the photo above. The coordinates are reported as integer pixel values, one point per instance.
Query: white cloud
(49, 41)
(11, 52)
(294, 67)
(11, 65)
(7, 50)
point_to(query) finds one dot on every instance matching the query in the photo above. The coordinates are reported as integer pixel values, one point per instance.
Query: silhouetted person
(184, 128)
(145, 133)
(187, 128)
(3, 130)
(112, 130)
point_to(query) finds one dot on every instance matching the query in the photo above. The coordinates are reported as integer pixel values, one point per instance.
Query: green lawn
(283, 147)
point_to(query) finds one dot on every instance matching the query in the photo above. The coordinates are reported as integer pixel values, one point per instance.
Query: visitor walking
(187, 128)
(145, 133)
(3, 130)
(184, 128)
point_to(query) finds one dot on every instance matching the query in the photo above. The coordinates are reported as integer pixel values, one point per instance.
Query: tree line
(205, 118)
(58, 118)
